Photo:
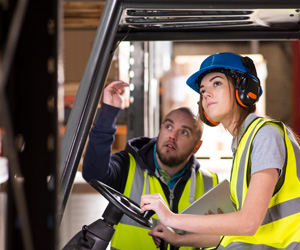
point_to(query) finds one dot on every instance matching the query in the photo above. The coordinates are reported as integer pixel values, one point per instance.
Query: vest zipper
(171, 195)
(171, 198)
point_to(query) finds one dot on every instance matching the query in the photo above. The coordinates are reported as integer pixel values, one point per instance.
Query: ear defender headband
(247, 86)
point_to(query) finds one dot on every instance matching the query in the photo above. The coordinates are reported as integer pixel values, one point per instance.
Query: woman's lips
(210, 103)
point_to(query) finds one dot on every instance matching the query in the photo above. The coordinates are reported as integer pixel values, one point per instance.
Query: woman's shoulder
(268, 148)
(268, 135)
(270, 129)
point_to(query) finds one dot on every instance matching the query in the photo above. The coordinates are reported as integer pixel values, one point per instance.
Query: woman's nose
(206, 94)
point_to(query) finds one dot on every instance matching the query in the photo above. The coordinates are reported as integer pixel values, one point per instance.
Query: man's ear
(197, 146)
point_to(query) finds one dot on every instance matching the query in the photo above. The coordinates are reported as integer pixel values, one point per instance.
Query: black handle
(148, 214)
(164, 246)
(85, 229)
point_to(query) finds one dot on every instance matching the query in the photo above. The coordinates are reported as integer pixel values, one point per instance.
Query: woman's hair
(296, 136)
(243, 111)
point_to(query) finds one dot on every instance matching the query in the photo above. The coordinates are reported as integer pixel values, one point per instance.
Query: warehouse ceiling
(82, 14)
(86, 15)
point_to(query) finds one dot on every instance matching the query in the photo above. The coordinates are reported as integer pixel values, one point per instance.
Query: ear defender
(247, 91)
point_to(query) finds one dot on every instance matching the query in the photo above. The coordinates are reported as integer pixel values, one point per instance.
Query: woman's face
(217, 98)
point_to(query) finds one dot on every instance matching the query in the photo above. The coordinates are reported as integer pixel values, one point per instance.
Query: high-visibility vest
(129, 234)
(281, 226)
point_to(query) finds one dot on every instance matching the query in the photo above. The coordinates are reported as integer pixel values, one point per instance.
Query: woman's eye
(217, 83)
(202, 92)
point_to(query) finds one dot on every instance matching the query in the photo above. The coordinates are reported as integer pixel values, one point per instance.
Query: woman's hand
(156, 203)
(211, 212)
(114, 93)
(162, 232)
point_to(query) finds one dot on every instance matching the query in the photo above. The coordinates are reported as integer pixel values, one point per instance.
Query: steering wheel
(123, 203)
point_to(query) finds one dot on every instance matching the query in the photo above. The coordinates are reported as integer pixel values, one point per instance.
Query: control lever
(148, 214)
(84, 230)
(86, 242)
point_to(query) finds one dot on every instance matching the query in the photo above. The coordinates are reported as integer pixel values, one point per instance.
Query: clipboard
(217, 197)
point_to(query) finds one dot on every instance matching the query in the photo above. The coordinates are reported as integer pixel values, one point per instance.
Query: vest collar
(249, 119)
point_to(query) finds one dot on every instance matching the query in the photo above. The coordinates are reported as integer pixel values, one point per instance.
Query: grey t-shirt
(268, 147)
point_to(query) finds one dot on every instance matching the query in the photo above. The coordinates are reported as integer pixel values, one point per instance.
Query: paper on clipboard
(217, 197)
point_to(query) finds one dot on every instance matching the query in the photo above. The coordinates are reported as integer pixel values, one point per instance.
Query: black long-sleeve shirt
(112, 169)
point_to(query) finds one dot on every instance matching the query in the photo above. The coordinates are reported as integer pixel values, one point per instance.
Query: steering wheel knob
(148, 214)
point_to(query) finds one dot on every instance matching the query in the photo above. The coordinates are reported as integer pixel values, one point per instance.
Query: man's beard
(171, 161)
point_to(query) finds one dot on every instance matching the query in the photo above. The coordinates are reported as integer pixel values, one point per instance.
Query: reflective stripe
(128, 221)
(297, 153)
(247, 246)
(147, 187)
(208, 183)
(135, 193)
(297, 160)
(207, 180)
(241, 171)
(193, 185)
(282, 210)
(137, 185)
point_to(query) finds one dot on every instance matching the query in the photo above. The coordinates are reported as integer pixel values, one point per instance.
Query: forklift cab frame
(34, 203)
(157, 20)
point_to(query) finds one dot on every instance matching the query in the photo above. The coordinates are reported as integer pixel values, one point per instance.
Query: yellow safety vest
(281, 226)
(130, 235)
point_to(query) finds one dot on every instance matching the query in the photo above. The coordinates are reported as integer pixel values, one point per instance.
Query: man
(164, 165)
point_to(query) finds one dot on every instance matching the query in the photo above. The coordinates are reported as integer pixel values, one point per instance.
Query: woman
(265, 176)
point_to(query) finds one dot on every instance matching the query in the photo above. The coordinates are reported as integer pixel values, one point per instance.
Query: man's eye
(184, 132)
(168, 126)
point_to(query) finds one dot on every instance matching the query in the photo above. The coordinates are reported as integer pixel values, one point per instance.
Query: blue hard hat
(223, 61)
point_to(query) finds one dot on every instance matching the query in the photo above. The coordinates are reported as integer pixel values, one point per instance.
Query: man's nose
(173, 135)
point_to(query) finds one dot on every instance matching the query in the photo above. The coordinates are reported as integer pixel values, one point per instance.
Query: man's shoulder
(140, 143)
(141, 149)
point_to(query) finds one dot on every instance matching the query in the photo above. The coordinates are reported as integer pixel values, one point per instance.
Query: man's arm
(98, 162)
